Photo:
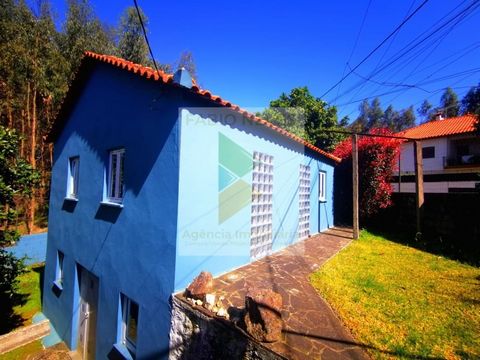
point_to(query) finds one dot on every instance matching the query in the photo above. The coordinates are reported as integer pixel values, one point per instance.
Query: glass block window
(262, 209)
(304, 202)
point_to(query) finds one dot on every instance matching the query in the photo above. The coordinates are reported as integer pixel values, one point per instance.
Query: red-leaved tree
(376, 163)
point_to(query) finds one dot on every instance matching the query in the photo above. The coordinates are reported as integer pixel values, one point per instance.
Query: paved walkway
(311, 329)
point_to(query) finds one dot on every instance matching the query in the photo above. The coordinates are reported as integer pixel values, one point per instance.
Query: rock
(222, 312)
(210, 299)
(200, 286)
(263, 317)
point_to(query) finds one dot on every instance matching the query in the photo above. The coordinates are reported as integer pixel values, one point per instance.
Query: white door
(88, 314)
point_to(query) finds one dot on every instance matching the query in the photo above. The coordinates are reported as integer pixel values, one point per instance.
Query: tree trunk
(33, 161)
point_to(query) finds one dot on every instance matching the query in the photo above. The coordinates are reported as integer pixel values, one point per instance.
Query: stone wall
(195, 335)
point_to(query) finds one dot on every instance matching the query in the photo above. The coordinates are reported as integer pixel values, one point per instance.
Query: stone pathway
(311, 329)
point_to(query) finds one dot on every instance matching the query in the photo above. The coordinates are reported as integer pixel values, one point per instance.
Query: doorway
(88, 314)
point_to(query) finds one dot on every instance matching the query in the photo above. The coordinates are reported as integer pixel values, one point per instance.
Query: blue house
(153, 181)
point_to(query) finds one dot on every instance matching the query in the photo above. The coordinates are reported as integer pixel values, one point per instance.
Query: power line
(434, 44)
(414, 43)
(355, 44)
(145, 35)
(383, 55)
(377, 47)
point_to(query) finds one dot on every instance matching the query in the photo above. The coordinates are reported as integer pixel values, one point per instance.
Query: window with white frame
(116, 187)
(322, 186)
(73, 174)
(59, 270)
(304, 202)
(129, 328)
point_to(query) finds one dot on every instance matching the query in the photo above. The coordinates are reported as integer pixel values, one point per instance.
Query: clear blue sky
(249, 52)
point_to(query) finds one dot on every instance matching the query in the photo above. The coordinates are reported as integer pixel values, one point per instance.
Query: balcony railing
(462, 161)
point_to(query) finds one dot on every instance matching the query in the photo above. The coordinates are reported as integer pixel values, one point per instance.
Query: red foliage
(376, 163)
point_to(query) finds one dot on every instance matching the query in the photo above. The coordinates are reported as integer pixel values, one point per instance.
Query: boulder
(263, 317)
(200, 286)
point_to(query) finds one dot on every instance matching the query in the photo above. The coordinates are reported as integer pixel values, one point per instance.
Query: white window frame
(59, 270)
(73, 177)
(116, 183)
(322, 186)
(128, 343)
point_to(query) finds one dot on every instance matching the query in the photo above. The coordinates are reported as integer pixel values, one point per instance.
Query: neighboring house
(451, 156)
(153, 181)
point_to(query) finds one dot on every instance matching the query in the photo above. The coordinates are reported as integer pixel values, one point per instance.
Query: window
(129, 324)
(262, 205)
(304, 202)
(59, 271)
(73, 173)
(322, 186)
(115, 176)
(428, 152)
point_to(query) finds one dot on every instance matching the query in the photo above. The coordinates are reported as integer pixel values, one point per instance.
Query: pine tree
(471, 101)
(375, 114)
(83, 31)
(132, 45)
(449, 103)
(425, 110)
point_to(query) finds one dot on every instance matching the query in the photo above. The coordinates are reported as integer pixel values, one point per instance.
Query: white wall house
(451, 157)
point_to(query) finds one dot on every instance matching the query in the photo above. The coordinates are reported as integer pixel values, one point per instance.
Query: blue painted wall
(171, 178)
(203, 242)
(33, 247)
(131, 250)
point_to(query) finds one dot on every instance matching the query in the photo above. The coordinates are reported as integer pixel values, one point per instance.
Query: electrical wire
(145, 36)
(377, 47)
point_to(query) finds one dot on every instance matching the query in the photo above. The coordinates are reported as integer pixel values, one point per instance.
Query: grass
(30, 293)
(404, 303)
(30, 288)
(23, 352)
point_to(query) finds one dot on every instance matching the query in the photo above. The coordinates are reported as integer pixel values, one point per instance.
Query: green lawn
(29, 286)
(404, 303)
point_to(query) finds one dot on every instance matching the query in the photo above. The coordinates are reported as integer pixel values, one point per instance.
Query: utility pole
(355, 185)
(417, 147)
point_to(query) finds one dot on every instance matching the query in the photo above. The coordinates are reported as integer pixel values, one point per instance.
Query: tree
(375, 114)
(361, 123)
(471, 101)
(449, 103)
(187, 62)
(17, 178)
(405, 120)
(377, 160)
(132, 45)
(390, 118)
(306, 116)
(425, 110)
(83, 31)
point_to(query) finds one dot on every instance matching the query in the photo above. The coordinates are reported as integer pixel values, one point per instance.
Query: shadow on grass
(431, 244)
(40, 270)
(9, 320)
(361, 345)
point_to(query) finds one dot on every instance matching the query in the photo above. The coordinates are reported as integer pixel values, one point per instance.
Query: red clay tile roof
(150, 73)
(439, 128)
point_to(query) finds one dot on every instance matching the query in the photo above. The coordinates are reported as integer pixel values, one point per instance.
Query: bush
(376, 163)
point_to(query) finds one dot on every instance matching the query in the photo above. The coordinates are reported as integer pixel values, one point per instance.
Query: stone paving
(311, 329)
